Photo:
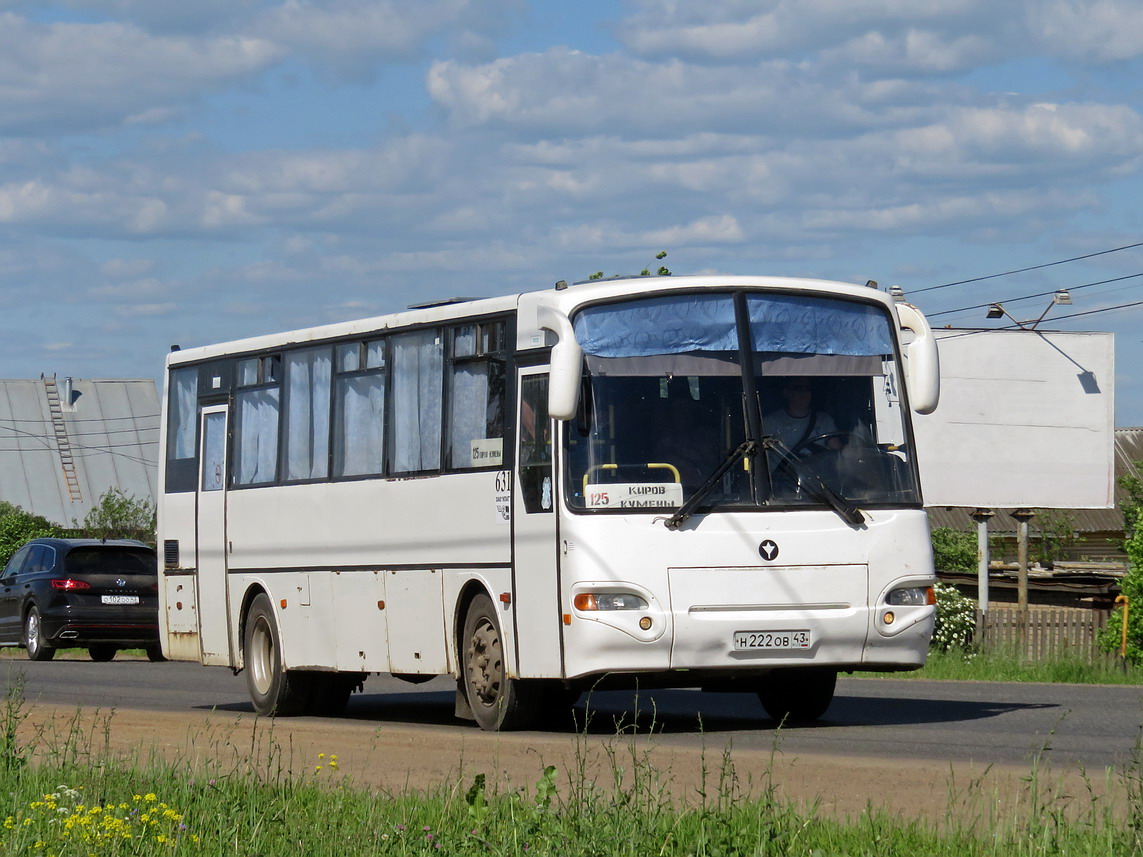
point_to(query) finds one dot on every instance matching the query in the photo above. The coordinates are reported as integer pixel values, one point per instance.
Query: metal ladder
(63, 443)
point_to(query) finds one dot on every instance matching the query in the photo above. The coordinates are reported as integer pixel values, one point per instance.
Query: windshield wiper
(809, 478)
(747, 447)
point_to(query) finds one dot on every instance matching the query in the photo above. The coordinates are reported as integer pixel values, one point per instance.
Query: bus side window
(476, 395)
(417, 397)
(182, 429)
(535, 445)
(258, 404)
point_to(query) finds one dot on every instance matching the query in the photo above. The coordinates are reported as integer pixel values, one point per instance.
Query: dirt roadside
(395, 758)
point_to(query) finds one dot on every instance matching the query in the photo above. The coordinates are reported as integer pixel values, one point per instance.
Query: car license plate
(120, 599)
(749, 640)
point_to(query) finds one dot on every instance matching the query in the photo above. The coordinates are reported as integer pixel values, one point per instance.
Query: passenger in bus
(798, 423)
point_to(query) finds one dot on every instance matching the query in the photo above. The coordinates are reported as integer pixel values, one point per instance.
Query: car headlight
(912, 596)
(609, 601)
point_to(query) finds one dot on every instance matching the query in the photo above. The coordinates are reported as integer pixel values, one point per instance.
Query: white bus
(699, 482)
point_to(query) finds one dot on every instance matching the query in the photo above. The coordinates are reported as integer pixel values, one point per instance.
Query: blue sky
(191, 173)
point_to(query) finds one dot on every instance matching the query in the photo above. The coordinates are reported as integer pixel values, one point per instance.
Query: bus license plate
(120, 599)
(748, 640)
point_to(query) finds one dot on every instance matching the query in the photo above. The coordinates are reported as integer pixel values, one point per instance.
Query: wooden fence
(1042, 633)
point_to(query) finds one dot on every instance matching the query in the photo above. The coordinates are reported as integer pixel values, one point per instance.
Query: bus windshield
(674, 385)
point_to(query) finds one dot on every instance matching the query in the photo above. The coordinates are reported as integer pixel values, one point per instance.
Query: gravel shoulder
(393, 758)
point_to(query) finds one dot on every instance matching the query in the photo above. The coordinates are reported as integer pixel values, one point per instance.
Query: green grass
(18, 653)
(65, 796)
(1000, 666)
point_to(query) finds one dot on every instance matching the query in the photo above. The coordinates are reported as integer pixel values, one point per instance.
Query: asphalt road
(877, 718)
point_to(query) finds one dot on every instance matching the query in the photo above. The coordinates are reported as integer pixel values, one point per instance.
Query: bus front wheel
(497, 701)
(273, 689)
(797, 695)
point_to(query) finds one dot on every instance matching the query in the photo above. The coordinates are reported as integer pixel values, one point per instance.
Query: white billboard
(1026, 420)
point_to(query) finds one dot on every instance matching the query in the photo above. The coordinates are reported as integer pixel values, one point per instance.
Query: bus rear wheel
(797, 695)
(497, 701)
(330, 692)
(275, 691)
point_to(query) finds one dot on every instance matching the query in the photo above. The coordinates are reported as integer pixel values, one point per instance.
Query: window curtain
(799, 324)
(183, 414)
(307, 413)
(257, 447)
(418, 361)
(469, 418)
(360, 446)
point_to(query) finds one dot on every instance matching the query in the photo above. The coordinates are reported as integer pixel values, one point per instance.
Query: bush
(120, 516)
(954, 550)
(18, 527)
(1057, 536)
(1111, 638)
(956, 619)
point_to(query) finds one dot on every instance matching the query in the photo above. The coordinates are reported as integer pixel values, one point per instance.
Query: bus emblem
(768, 550)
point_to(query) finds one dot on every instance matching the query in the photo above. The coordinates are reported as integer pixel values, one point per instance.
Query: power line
(1037, 295)
(1095, 311)
(979, 330)
(1029, 268)
(71, 420)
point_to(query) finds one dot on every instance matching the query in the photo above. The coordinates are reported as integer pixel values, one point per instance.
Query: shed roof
(65, 442)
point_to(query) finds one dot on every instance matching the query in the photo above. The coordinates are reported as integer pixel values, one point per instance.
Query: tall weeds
(259, 796)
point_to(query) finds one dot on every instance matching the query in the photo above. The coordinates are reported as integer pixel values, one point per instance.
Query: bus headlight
(587, 601)
(912, 596)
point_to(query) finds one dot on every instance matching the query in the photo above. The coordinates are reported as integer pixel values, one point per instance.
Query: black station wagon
(81, 593)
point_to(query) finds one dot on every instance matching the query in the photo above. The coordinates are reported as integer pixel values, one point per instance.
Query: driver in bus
(800, 426)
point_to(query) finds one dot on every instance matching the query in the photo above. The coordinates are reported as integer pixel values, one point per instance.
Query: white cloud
(914, 51)
(569, 93)
(70, 77)
(1087, 30)
(353, 34)
(139, 62)
(746, 30)
(1061, 138)
(911, 36)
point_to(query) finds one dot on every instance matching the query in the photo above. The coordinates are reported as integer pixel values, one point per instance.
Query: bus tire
(275, 691)
(330, 692)
(498, 703)
(797, 695)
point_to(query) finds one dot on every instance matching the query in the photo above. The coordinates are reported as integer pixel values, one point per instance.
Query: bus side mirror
(566, 365)
(922, 364)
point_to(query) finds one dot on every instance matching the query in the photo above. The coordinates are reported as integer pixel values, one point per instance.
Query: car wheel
(155, 653)
(275, 691)
(497, 701)
(102, 653)
(797, 695)
(34, 642)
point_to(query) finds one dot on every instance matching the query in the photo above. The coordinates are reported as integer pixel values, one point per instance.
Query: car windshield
(110, 560)
(674, 385)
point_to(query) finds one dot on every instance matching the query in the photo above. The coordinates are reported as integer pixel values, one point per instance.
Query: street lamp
(1061, 296)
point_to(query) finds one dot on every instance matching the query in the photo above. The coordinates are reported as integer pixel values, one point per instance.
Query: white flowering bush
(956, 619)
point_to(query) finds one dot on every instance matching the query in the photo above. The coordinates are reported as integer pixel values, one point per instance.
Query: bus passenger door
(212, 595)
(535, 563)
